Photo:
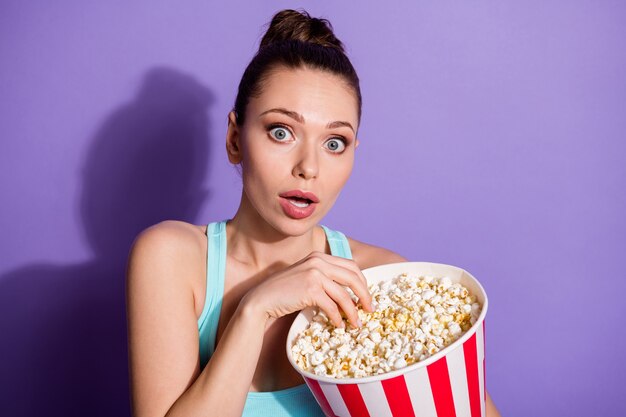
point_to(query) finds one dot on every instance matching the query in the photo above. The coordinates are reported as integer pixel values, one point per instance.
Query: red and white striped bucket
(449, 383)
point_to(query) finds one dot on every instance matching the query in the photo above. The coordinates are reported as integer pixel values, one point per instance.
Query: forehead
(317, 95)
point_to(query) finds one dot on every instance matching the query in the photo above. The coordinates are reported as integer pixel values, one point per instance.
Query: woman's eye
(279, 133)
(336, 145)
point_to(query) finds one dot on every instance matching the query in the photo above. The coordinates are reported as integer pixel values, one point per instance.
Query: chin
(292, 227)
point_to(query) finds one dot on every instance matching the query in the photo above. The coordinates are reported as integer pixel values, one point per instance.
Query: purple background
(492, 139)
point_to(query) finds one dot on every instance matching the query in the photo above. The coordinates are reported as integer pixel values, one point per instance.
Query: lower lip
(296, 212)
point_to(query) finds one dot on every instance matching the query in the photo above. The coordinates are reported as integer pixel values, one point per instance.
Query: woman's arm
(163, 334)
(222, 387)
(367, 256)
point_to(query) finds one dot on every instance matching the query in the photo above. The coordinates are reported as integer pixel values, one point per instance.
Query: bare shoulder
(165, 257)
(169, 235)
(367, 256)
(163, 358)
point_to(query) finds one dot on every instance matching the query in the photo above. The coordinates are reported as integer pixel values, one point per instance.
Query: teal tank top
(296, 401)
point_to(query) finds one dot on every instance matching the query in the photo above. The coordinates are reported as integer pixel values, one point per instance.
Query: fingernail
(342, 325)
(358, 322)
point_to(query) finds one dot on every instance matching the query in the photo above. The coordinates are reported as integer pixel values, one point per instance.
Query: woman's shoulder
(367, 256)
(166, 264)
(172, 235)
(169, 245)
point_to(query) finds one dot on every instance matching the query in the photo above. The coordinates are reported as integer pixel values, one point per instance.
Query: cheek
(250, 160)
(341, 172)
(258, 172)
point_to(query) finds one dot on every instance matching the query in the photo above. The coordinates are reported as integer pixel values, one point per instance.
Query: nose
(307, 165)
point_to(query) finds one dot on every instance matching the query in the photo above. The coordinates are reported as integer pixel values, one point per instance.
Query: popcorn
(414, 317)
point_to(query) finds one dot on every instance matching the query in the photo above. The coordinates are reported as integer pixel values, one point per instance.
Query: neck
(254, 242)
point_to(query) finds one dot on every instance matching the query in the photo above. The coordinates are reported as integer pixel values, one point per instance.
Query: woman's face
(299, 136)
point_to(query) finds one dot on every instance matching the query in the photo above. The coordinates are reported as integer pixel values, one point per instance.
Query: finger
(342, 298)
(343, 262)
(347, 278)
(330, 308)
(344, 276)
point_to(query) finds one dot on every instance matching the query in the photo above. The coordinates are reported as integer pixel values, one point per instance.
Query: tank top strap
(338, 243)
(216, 266)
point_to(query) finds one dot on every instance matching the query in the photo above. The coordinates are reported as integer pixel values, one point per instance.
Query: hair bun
(291, 24)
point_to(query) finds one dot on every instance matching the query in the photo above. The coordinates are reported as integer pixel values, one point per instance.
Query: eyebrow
(298, 117)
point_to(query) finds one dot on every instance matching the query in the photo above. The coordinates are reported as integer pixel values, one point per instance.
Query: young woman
(209, 307)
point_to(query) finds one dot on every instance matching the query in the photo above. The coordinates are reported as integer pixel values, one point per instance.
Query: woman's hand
(315, 280)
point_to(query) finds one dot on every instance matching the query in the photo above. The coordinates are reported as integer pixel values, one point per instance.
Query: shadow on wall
(64, 340)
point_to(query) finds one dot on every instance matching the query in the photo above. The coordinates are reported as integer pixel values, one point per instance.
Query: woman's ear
(233, 148)
(356, 143)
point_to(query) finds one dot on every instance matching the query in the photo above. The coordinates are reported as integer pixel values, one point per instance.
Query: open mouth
(299, 202)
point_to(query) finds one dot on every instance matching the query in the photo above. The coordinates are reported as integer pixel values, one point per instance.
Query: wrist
(250, 308)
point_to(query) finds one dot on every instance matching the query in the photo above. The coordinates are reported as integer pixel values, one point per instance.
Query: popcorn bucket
(449, 383)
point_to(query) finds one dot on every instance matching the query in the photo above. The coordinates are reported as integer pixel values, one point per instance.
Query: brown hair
(295, 40)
